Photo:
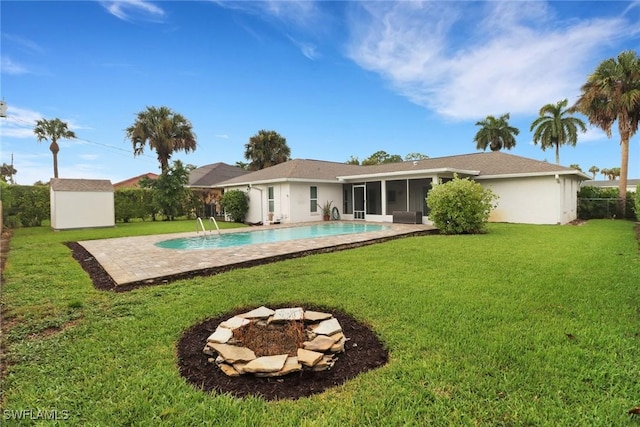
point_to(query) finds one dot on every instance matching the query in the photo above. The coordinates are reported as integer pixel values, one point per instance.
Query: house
(631, 184)
(81, 203)
(204, 182)
(134, 182)
(529, 191)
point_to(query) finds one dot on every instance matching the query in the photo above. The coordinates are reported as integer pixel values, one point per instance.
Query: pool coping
(135, 261)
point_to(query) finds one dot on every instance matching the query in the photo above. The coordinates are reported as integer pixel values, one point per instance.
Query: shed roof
(81, 185)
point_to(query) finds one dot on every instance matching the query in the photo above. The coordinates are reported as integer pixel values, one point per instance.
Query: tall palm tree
(265, 149)
(496, 134)
(52, 130)
(165, 131)
(594, 170)
(612, 93)
(555, 127)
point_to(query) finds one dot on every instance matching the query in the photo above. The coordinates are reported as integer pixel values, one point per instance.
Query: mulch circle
(363, 352)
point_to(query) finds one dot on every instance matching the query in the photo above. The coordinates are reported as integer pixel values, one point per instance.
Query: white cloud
(132, 10)
(23, 43)
(8, 66)
(444, 57)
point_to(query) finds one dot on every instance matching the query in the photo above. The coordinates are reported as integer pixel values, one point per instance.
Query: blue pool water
(213, 240)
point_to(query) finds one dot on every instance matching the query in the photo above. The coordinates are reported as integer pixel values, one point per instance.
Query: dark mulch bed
(363, 352)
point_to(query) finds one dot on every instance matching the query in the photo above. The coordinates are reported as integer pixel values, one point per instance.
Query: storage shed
(81, 203)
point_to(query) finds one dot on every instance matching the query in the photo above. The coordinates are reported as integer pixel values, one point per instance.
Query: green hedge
(133, 203)
(598, 203)
(24, 205)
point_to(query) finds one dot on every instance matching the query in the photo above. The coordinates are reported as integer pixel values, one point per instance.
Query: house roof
(133, 182)
(79, 185)
(609, 183)
(211, 175)
(480, 165)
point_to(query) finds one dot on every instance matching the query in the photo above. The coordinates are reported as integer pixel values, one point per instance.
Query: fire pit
(273, 343)
(362, 352)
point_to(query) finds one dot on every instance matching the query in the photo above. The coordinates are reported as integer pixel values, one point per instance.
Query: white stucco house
(529, 191)
(81, 203)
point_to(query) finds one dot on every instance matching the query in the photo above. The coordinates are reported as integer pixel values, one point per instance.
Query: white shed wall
(534, 200)
(74, 209)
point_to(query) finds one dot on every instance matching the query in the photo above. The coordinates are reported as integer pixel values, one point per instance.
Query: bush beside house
(460, 206)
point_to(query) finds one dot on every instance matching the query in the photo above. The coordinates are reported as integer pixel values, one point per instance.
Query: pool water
(214, 240)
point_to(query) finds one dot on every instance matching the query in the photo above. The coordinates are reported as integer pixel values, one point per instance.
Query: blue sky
(336, 79)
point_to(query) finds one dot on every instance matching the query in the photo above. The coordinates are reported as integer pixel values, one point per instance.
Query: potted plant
(326, 210)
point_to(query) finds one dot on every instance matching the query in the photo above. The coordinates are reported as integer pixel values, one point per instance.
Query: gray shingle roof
(211, 175)
(88, 185)
(479, 164)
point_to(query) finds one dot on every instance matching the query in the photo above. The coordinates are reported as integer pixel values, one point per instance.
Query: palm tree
(165, 131)
(265, 149)
(612, 93)
(52, 130)
(496, 134)
(594, 170)
(555, 127)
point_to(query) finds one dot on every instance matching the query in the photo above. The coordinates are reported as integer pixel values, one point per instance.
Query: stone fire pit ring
(363, 351)
(298, 339)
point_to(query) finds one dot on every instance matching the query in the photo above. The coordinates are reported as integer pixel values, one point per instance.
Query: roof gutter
(534, 174)
(409, 172)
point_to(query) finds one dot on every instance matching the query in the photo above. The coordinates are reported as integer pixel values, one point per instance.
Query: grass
(526, 325)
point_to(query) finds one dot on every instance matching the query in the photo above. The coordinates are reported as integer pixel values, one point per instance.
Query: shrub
(132, 203)
(599, 202)
(637, 202)
(460, 206)
(235, 204)
(25, 205)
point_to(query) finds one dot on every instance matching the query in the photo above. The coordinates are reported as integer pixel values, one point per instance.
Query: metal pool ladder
(201, 224)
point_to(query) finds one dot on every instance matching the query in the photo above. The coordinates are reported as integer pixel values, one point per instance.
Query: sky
(337, 79)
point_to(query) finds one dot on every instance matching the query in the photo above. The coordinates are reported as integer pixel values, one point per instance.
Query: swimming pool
(214, 241)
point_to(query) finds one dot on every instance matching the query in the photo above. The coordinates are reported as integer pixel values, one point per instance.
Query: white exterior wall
(75, 209)
(291, 201)
(534, 200)
(300, 197)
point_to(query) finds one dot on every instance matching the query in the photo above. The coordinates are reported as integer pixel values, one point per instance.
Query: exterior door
(359, 201)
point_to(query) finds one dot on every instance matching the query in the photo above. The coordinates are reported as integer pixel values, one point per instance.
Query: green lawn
(526, 325)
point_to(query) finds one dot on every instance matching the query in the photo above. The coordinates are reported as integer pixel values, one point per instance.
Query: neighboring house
(134, 182)
(81, 203)
(530, 191)
(205, 180)
(631, 184)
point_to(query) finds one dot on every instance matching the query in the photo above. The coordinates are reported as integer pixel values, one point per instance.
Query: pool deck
(136, 260)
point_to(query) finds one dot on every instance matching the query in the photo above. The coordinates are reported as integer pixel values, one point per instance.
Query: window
(313, 196)
(270, 199)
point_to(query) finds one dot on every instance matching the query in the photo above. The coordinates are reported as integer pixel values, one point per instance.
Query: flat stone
(284, 314)
(316, 316)
(229, 370)
(234, 322)
(221, 335)
(309, 358)
(266, 364)
(232, 353)
(338, 347)
(327, 362)
(328, 327)
(319, 343)
(291, 365)
(208, 350)
(239, 366)
(258, 313)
